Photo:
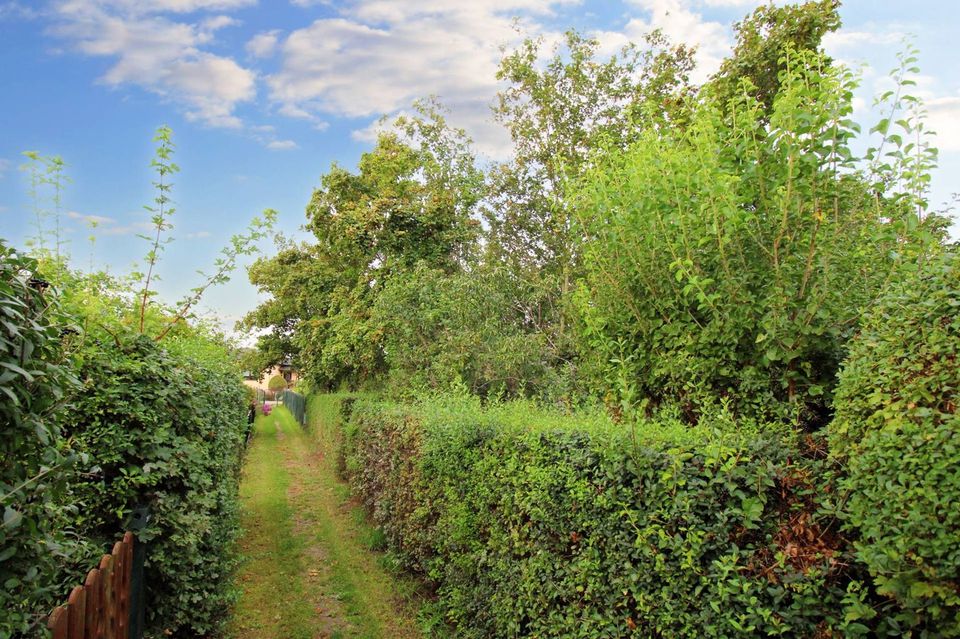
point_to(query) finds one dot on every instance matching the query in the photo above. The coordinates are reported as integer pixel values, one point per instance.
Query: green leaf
(13, 367)
(11, 518)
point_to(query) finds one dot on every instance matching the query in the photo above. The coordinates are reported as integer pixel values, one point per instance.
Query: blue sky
(263, 95)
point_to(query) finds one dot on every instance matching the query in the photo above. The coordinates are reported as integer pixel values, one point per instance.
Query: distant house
(285, 369)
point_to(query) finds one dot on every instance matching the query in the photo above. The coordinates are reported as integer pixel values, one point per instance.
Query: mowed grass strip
(376, 603)
(310, 571)
(274, 597)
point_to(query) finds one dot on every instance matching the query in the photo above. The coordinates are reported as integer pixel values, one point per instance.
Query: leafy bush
(35, 464)
(277, 383)
(446, 331)
(164, 426)
(728, 261)
(552, 525)
(898, 430)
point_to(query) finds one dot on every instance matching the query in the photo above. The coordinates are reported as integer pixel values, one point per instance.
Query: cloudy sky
(264, 94)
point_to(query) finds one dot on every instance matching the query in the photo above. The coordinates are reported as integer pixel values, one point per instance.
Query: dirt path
(309, 570)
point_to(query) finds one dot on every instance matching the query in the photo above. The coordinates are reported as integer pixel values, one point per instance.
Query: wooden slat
(115, 578)
(94, 605)
(109, 614)
(100, 609)
(59, 623)
(77, 609)
(126, 554)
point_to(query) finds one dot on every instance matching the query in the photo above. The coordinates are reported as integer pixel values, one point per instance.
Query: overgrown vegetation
(897, 431)
(729, 261)
(165, 427)
(682, 272)
(35, 380)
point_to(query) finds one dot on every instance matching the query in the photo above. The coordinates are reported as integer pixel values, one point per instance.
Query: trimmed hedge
(277, 383)
(548, 525)
(898, 430)
(165, 428)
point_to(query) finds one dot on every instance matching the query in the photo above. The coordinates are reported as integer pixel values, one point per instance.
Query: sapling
(35, 178)
(161, 212)
(57, 180)
(240, 244)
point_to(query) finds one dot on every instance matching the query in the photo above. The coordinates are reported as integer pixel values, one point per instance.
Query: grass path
(309, 570)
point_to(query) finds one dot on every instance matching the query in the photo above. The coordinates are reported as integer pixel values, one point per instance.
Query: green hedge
(547, 525)
(898, 430)
(164, 427)
(35, 464)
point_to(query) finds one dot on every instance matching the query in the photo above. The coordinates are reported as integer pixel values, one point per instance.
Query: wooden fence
(100, 608)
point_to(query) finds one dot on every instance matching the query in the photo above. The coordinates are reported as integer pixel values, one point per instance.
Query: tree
(411, 201)
(763, 40)
(557, 114)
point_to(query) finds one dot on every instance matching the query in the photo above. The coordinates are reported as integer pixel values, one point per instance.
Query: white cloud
(263, 45)
(732, 3)
(128, 229)
(199, 235)
(683, 25)
(281, 145)
(843, 40)
(214, 23)
(164, 6)
(944, 120)
(4, 165)
(90, 219)
(161, 55)
(379, 56)
(17, 11)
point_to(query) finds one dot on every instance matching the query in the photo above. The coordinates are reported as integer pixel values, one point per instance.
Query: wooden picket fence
(100, 608)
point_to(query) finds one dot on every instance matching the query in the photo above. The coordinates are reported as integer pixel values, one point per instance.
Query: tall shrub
(729, 261)
(277, 383)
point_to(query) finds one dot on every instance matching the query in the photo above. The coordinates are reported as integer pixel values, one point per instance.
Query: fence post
(137, 604)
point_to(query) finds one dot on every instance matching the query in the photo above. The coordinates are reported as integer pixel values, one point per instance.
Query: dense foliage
(897, 429)
(460, 330)
(164, 430)
(35, 380)
(532, 523)
(729, 261)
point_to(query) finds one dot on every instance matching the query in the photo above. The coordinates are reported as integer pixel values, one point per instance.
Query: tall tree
(411, 201)
(558, 114)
